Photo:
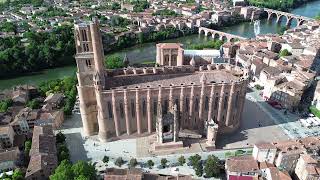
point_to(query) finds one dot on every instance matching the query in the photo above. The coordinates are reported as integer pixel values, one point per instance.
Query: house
(6, 136)
(308, 167)
(9, 159)
(54, 99)
(264, 152)
(43, 154)
(241, 166)
(53, 118)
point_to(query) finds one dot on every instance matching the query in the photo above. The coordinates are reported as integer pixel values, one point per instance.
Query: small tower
(203, 78)
(192, 61)
(175, 123)
(159, 125)
(98, 83)
(212, 131)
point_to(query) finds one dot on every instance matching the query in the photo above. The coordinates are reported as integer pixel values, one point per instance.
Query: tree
(211, 167)
(284, 52)
(119, 162)
(181, 160)
(27, 146)
(113, 62)
(105, 159)
(133, 162)
(63, 171)
(198, 169)
(33, 104)
(194, 160)
(163, 162)
(150, 163)
(17, 174)
(5, 104)
(61, 138)
(82, 168)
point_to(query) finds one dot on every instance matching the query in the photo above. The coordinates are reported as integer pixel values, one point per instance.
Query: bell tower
(89, 59)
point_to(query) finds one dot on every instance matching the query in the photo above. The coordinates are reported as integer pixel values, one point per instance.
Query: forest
(36, 51)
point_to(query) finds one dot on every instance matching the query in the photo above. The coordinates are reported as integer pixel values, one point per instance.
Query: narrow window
(187, 104)
(206, 104)
(144, 108)
(165, 107)
(196, 105)
(225, 104)
(177, 103)
(110, 109)
(236, 100)
(155, 107)
(121, 110)
(216, 102)
(133, 110)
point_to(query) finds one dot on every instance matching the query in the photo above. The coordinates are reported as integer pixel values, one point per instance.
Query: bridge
(279, 15)
(219, 35)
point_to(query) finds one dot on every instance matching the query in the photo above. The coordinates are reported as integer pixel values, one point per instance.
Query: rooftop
(165, 80)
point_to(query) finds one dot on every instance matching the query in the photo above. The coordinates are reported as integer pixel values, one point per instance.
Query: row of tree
(283, 5)
(215, 44)
(209, 168)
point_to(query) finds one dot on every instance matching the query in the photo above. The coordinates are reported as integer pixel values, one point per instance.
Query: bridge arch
(272, 16)
(202, 31)
(224, 38)
(209, 33)
(216, 36)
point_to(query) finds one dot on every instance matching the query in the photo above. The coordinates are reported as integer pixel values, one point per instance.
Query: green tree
(63, 155)
(119, 162)
(114, 62)
(105, 159)
(33, 104)
(82, 168)
(194, 160)
(60, 138)
(17, 174)
(133, 162)
(164, 162)
(198, 168)
(150, 163)
(9, 27)
(5, 104)
(27, 146)
(181, 160)
(284, 52)
(211, 167)
(63, 171)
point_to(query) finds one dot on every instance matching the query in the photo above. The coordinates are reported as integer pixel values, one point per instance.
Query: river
(147, 52)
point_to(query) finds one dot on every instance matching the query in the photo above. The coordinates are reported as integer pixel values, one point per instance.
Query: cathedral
(179, 95)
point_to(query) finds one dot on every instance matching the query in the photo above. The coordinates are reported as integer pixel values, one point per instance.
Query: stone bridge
(279, 15)
(219, 35)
